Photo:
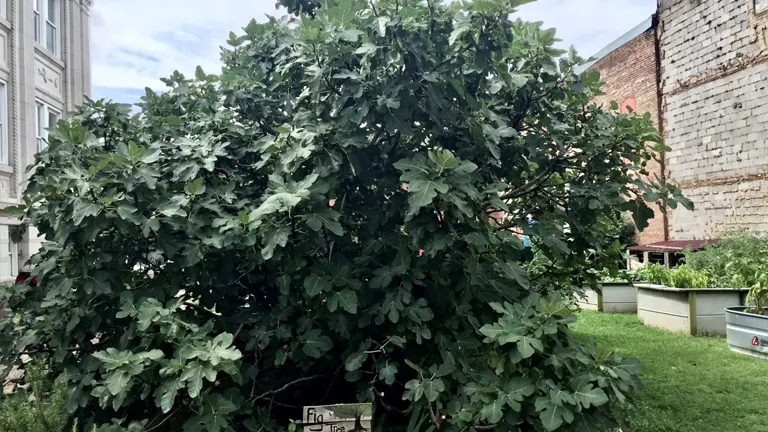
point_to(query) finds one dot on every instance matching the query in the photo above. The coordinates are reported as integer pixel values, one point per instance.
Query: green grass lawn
(692, 384)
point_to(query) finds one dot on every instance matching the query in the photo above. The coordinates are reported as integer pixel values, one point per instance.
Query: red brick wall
(629, 73)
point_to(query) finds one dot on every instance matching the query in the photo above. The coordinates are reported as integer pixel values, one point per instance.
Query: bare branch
(289, 385)
(164, 420)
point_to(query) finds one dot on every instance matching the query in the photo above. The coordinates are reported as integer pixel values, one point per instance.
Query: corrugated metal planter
(683, 310)
(747, 333)
(612, 297)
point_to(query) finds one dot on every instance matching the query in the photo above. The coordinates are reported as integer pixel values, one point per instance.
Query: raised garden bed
(747, 332)
(610, 297)
(686, 310)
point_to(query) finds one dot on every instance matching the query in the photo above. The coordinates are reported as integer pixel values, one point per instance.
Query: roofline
(641, 28)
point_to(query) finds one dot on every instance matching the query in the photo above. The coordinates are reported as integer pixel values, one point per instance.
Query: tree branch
(287, 386)
(535, 183)
(164, 420)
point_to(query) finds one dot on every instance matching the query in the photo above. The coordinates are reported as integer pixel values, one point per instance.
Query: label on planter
(759, 342)
(338, 418)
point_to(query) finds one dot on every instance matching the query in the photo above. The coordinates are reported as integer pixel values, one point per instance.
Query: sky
(135, 42)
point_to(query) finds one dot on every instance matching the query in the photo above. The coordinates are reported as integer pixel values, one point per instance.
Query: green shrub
(39, 406)
(312, 227)
(733, 261)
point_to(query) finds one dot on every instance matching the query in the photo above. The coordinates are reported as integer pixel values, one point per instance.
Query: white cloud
(589, 25)
(135, 42)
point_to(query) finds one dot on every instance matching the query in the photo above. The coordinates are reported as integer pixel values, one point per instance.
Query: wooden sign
(338, 418)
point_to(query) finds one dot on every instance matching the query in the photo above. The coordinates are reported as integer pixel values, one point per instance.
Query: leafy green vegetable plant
(732, 262)
(757, 298)
(678, 277)
(335, 218)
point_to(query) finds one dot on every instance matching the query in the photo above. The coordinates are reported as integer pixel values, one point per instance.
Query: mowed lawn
(692, 384)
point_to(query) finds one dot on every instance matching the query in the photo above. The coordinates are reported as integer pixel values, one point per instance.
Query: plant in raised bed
(747, 325)
(732, 261)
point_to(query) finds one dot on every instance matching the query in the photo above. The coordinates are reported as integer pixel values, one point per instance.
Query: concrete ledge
(692, 311)
(610, 297)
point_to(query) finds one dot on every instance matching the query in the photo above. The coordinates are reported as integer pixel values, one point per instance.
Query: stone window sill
(43, 51)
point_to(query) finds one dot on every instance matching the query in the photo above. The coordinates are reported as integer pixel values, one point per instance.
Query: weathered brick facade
(714, 81)
(630, 76)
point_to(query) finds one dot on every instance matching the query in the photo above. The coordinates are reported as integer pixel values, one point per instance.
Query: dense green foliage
(737, 260)
(677, 277)
(251, 243)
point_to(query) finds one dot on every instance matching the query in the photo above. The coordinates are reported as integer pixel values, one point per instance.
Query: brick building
(701, 68)
(714, 81)
(628, 66)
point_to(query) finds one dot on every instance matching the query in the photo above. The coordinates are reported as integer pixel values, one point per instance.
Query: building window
(47, 23)
(627, 105)
(4, 147)
(761, 6)
(13, 257)
(45, 118)
(4, 8)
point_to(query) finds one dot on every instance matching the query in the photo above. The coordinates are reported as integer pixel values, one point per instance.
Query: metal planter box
(614, 297)
(683, 310)
(747, 333)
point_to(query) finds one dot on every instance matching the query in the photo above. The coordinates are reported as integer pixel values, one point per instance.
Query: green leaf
(496, 86)
(588, 396)
(388, 373)
(516, 390)
(402, 262)
(381, 26)
(166, 395)
(273, 238)
(553, 416)
(326, 218)
(196, 187)
(171, 208)
(366, 49)
(457, 32)
(527, 346)
(641, 213)
(423, 192)
(512, 270)
(493, 411)
(493, 331)
(444, 159)
(316, 344)
(314, 285)
(194, 374)
(83, 208)
(117, 381)
(476, 239)
(129, 213)
(346, 298)
(433, 388)
(355, 360)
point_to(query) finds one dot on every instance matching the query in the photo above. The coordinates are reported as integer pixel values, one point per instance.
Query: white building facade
(45, 71)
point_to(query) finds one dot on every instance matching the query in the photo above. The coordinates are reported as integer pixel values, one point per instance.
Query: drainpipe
(658, 27)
